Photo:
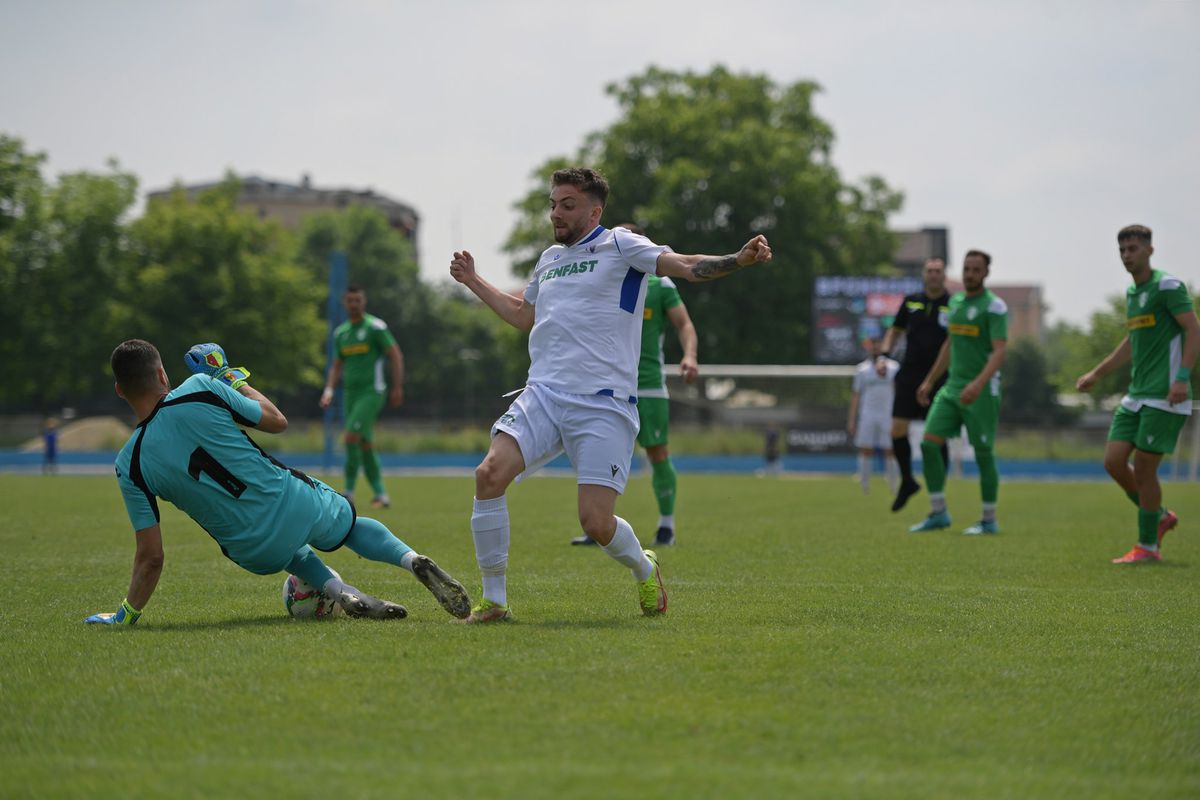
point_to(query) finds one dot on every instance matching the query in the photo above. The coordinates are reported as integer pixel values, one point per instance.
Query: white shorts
(873, 432)
(595, 431)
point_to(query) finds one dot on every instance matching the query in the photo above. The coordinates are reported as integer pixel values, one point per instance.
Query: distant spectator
(50, 447)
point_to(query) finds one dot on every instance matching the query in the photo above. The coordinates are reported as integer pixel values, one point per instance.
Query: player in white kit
(870, 419)
(583, 309)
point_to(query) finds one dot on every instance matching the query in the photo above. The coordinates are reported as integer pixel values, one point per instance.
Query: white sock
(864, 471)
(893, 474)
(937, 502)
(667, 521)
(489, 528)
(989, 512)
(625, 549)
(407, 559)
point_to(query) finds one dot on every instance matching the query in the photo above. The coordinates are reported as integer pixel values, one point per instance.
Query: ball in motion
(302, 600)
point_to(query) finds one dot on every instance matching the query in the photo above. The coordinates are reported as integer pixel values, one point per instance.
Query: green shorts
(653, 413)
(1151, 430)
(948, 415)
(362, 409)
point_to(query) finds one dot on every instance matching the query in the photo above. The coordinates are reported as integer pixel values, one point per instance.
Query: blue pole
(335, 313)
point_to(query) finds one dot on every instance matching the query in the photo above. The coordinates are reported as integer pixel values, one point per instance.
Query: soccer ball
(304, 601)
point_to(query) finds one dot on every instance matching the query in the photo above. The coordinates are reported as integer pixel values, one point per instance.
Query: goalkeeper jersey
(661, 296)
(974, 323)
(361, 347)
(1156, 339)
(191, 452)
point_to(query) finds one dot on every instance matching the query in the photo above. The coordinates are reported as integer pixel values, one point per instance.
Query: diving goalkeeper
(188, 448)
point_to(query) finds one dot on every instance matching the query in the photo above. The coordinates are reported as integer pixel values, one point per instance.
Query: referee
(923, 317)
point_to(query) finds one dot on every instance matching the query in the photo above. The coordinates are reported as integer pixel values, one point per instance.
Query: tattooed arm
(697, 268)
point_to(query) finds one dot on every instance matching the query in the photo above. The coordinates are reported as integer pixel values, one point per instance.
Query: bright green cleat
(487, 611)
(652, 595)
(982, 527)
(934, 522)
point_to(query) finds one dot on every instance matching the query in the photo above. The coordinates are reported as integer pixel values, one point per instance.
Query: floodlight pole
(335, 313)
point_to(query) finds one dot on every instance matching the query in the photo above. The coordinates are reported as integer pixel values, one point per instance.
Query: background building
(291, 203)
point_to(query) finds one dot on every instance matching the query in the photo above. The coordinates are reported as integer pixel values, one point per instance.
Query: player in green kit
(1163, 343)
(662, 303)
(974, 352)
(190, 448)
(361, 345)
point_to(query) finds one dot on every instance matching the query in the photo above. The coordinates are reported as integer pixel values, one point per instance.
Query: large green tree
(455, 353)
(705, 160)
(62, 251)
(206, 271)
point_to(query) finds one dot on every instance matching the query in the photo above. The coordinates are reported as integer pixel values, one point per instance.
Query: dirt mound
(92, 433)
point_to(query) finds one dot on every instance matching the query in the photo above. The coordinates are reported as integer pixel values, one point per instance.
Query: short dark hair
(585, 179)
(987, 260)
(354, 288)
(135, 363)
(1135, 232)
(632, 227)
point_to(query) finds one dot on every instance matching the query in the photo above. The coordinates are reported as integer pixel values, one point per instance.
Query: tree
(704, 161)
(1029, 396)
(1074, 351)
(63, 249)
(205, 271)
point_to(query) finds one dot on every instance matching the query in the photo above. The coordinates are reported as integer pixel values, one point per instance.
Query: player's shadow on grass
(236, 622)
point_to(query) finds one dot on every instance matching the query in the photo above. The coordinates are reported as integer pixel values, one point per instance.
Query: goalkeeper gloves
(125, 615)
(209, 359)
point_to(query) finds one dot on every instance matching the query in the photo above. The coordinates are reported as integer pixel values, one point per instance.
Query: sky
(1033, 130)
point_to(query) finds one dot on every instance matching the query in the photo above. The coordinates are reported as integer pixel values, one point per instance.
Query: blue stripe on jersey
(631, 287)
(599, 230)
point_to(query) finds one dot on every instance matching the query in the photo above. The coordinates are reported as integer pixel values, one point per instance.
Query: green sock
(1133, 498)
(1148, 526)
(371, 467)
(989, 476)
(933, 466)
(663, 479)
(353, 457)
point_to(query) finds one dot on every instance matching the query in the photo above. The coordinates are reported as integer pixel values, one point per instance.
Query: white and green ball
(305, 601)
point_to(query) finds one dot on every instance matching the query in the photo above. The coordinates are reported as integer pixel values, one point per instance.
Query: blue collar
(599, 229)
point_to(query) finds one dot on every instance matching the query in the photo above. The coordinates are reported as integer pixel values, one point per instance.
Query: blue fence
(98, 462)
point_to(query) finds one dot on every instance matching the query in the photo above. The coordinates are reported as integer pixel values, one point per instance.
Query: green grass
(812, 649)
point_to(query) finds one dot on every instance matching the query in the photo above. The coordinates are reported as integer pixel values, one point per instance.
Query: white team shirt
(875, 392)
(588, 301)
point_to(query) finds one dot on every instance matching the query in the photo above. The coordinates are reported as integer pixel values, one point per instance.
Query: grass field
(813, 649)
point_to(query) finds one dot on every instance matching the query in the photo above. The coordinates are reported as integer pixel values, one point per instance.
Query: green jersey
(661, 295)
(361, 350)
(1156, 339)
(974, 323)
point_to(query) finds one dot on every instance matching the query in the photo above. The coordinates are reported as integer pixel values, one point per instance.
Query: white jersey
(875, 391)
(588, 301)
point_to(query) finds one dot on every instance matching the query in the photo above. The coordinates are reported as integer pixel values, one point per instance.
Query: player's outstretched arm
(697, 268)
(510, 308)
(1114, 360)
(147, 568)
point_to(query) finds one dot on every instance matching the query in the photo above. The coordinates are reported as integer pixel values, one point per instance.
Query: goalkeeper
(188, 448)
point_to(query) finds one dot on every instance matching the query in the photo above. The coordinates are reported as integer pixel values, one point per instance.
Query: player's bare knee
(597, 524)
(490, 480)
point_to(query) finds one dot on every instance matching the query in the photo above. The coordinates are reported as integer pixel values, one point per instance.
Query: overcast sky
(1032, 130)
